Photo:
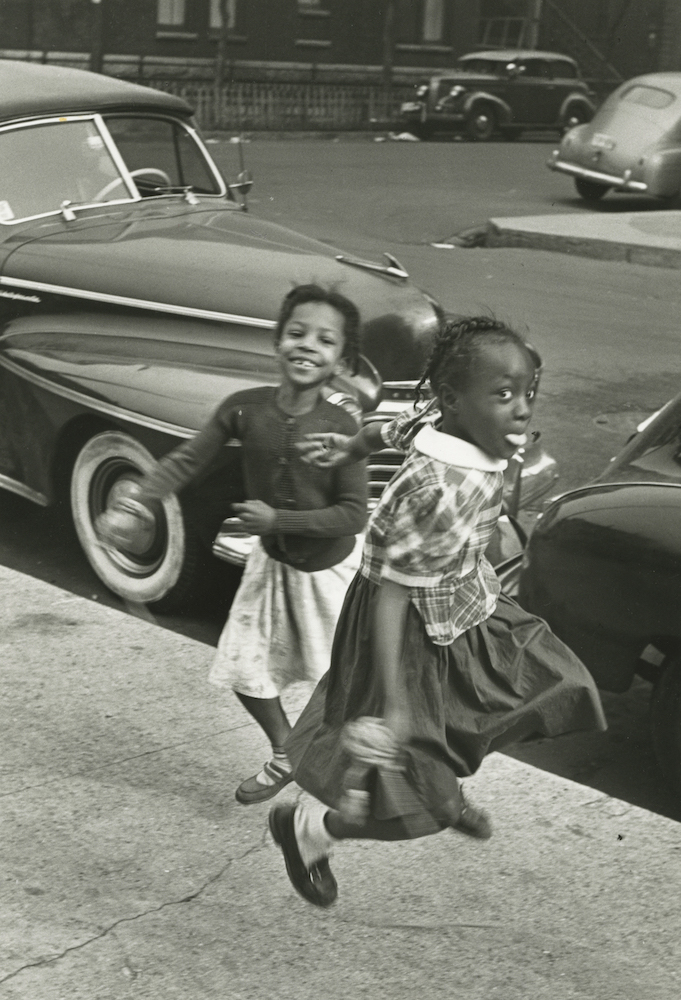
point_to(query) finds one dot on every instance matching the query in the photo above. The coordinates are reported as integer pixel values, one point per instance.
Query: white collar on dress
(455, 451)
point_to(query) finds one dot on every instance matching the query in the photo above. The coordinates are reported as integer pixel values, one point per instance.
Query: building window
(433, 20)
(420, 24)
(170, 13)
(216, 16)
(312, 8)
(505, 23)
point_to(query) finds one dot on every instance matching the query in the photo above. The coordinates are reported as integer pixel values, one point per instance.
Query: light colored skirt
(281, 625)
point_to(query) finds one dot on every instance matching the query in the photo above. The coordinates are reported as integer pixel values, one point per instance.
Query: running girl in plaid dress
(283, 616)
(432, 668)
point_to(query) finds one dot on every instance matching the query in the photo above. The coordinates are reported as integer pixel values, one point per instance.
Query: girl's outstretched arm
(331, 450)
(390, 616)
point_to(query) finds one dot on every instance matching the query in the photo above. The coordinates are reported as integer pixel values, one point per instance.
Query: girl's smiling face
(311, 344)
(494, 407)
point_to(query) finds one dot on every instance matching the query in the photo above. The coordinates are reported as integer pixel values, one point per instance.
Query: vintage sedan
(633, 144)
(603, 567)
(136, 294)
(502, 92)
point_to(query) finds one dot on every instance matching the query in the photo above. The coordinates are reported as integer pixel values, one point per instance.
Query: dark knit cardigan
(318, 511)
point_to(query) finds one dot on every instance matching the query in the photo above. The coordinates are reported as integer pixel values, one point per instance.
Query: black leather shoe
(473, 821)
(316, 884)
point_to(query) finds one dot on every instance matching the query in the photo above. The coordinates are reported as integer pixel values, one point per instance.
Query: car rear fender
(483, 97)
(662, 172)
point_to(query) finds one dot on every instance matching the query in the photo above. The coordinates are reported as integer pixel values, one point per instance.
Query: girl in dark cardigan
(283, 616)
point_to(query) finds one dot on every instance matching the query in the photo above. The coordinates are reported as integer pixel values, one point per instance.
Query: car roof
(30, 89)
(508, 55)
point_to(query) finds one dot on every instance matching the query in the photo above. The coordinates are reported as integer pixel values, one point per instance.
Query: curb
(526, 235)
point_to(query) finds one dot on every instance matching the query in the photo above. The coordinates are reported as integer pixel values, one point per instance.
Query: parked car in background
(632, 144)
(135, 295)
(603, 567)
(500, 93)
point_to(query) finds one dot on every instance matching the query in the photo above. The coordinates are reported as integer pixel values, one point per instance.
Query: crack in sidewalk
(188, 898)
(121, 760)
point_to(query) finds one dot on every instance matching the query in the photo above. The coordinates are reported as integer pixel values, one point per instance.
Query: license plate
(602, 141)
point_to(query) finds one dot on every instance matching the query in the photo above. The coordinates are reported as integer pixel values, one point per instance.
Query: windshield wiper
(393, 268)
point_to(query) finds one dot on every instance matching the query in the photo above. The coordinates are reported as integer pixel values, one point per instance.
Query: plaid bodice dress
(480, 672)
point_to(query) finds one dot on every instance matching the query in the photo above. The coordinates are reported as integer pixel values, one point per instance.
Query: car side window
(563, 70)
(535, 68)
(160, 155)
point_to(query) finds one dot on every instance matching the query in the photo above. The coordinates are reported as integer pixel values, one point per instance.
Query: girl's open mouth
(517, 440)
(303, 363)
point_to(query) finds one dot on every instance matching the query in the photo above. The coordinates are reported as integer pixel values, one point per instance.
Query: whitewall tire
(163, 562)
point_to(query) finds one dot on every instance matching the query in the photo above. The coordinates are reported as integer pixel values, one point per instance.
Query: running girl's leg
(308, 832)
(270, 715)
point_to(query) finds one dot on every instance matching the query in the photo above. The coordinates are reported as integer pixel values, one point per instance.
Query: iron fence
(274, 106)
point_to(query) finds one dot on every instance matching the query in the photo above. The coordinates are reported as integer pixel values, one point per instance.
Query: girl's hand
(257, 517)
(123, 524)
(327, 451)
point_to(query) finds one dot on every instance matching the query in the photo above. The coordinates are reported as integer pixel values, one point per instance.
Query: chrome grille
(382, 466)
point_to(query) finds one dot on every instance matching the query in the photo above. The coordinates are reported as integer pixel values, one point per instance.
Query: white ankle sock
(263, 778)
(313, 839)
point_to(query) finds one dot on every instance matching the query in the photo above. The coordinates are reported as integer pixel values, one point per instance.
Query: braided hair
(302, 294)
(457, 347)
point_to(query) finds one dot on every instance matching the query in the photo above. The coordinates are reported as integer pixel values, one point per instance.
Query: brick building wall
(338, 41)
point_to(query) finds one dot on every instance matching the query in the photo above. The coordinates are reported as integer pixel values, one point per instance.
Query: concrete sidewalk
(129, 871)
(650, 238)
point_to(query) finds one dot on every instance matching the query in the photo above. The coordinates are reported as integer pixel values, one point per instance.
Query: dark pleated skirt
(498, 683)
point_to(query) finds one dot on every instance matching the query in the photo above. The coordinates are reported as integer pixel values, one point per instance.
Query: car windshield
(73, 161)
(45, 165)
(657, 449)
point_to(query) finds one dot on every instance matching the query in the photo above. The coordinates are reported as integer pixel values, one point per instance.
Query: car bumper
(417, 113)
(622, 182)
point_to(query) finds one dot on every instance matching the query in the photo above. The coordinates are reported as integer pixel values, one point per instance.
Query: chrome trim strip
(110, 409)
(124, 300)
(595, 175)
(631, 482)
(14, 486)
(606, 484)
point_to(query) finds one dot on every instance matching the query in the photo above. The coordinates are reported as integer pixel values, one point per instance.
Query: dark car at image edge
(603, 567)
